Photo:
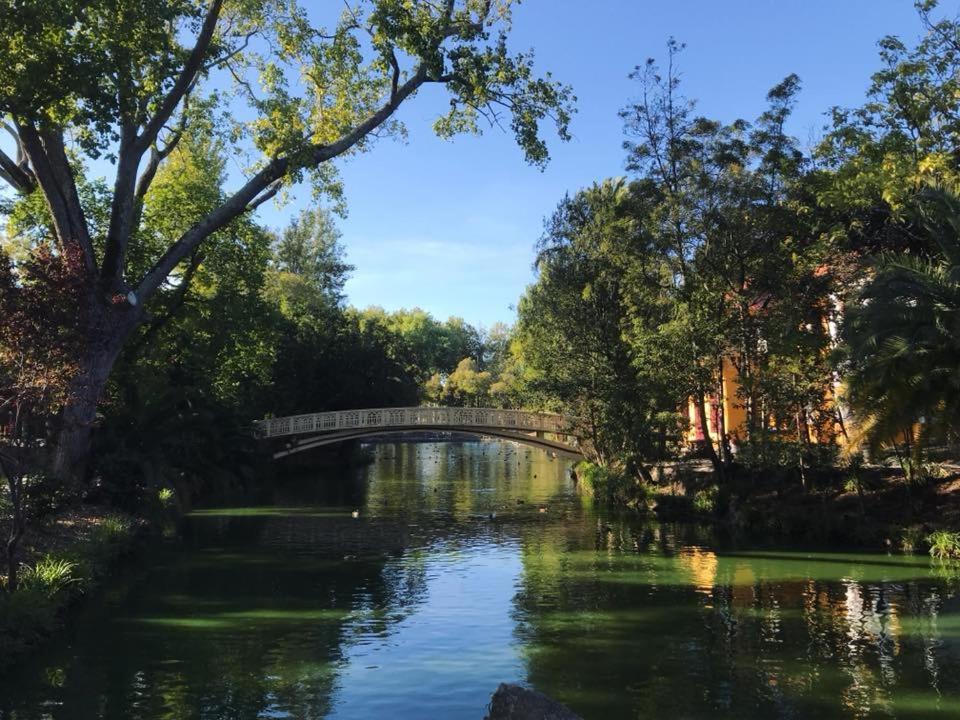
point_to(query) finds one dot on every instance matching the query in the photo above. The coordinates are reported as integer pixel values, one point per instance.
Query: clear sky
(450, 226)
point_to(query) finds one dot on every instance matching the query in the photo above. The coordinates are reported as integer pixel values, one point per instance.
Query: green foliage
(903, 138)
(904, 350)
(611, 485)
(50, 576)
(766, 453)
(593, 269)
(944, 544)
(705, 500)
(310, 249)
(467, 385)
(166, 497)
(47, 587)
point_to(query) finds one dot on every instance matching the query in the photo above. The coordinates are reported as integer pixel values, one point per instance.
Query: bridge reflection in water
(557, 432)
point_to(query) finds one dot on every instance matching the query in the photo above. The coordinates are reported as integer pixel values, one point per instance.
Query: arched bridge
(556, 432)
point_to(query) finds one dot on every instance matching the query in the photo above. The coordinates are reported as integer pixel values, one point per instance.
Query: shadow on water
(469, 564)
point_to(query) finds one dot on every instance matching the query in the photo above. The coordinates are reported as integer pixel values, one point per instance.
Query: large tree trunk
(105, 337)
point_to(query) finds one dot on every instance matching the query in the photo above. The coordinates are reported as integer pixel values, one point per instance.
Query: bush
(613, 486)
(47, 496)
(47, 588)
(944, 544)
(705, 501)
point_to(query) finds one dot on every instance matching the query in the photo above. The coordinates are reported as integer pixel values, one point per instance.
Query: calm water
(419, 607)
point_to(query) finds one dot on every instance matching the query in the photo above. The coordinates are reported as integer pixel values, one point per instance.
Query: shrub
(705, 501)
(166, 498)
(615, 486)
(112, 530)
(944, 544)
(772, 452)
(46, 496)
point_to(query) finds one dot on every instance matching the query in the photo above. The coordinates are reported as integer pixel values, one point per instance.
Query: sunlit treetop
(293, 85)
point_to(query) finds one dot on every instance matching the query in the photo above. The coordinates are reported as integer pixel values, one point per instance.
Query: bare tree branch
(14, 176)
(272, 189)
(395, 80)
(158, 155)
(21, 153)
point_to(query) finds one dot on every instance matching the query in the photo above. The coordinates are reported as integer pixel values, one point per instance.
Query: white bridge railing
(414, 417)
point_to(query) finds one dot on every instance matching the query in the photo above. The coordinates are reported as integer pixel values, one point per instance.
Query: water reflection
(450, 580)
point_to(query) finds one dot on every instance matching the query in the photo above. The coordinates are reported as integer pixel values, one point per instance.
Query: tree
(467, 385)
(310, 248)
(725, 213)
(39, 337)
(83, 79)
(876, 157)
(597, 274)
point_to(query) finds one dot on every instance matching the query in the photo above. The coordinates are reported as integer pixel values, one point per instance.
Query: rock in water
(512, 702)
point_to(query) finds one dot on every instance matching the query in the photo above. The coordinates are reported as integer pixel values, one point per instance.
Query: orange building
(727, 408)
(728, 412)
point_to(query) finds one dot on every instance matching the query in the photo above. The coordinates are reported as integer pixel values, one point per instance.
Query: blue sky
(450, 226)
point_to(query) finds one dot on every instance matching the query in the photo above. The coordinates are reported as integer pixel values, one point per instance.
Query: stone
(512, 702)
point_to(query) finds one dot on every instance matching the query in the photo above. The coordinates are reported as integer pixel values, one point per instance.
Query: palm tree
(903, 336)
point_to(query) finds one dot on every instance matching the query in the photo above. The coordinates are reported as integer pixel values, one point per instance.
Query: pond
(413, 586)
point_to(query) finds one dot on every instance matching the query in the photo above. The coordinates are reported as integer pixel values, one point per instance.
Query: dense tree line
(821, 279)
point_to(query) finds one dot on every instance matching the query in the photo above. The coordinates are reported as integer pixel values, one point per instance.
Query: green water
(423, 604)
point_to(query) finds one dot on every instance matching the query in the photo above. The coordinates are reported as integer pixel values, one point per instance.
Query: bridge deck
(417, 417)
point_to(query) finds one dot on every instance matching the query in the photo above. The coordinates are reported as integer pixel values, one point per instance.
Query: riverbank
(875, 507)
(62, 559)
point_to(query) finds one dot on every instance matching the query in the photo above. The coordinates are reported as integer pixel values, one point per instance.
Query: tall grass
(51, 576)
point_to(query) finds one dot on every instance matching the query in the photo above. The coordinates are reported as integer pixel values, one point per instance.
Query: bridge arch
(311, 430)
